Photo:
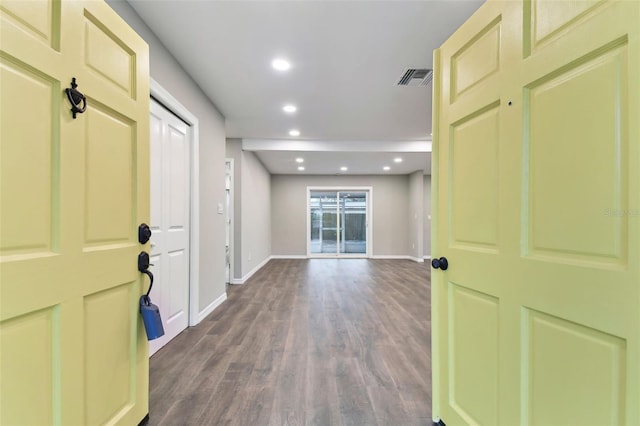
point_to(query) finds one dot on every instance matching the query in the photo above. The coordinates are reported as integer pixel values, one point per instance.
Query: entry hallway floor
(317, 342)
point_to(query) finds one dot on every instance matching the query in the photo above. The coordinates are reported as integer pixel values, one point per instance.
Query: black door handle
(143, 261)
(441, 263)
(143, 266)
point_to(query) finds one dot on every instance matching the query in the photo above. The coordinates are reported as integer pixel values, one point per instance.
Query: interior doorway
(228, 185)
(338, 222)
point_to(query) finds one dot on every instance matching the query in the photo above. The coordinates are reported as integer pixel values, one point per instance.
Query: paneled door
(170, 200)
(537, 169)
(72, 193)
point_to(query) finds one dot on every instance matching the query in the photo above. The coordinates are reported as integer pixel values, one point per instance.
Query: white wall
(252, 210)
(255, 214)
(426, 215)
(170, 75)
(289, 212)
(415, 214)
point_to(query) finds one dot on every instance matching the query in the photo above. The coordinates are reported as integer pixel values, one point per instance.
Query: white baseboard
(289, 256)
(397, 256)
(212, 306)
(427, 257)
(250, 273)
(389, 256)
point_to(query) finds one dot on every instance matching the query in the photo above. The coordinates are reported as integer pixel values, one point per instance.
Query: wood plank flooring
(305, 342)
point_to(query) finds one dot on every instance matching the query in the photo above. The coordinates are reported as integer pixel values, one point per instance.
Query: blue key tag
(151, 318)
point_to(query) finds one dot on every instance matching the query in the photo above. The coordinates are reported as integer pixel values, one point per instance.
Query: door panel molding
(598, 362)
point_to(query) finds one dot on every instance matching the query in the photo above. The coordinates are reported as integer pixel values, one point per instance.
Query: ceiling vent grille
(416, 77)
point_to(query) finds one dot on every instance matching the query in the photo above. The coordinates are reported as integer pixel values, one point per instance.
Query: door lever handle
(143, 266)
(150, 275)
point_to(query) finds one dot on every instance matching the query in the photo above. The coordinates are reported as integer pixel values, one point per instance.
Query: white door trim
(173, 105)
(369, 191)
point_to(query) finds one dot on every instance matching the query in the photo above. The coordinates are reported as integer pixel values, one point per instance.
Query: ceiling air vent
(416, 77)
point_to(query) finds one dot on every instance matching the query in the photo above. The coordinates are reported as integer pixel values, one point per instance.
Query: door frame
(174, 106)
(231, 216)
(369, 222)
(435, 200)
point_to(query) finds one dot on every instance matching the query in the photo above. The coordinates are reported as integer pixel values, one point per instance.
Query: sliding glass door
(353, 222)
(324, 222)
(338, 223)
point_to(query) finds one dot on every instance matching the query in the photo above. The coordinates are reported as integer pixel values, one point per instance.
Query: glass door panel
(324, 222)
(353, 223)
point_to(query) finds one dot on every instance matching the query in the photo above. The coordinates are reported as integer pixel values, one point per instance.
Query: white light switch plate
(220, 208)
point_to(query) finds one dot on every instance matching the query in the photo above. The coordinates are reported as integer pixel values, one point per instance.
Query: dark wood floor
(319, 342)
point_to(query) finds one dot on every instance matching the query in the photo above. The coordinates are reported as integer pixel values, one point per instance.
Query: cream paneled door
(170, 199)
(73, 191)
(537, 161)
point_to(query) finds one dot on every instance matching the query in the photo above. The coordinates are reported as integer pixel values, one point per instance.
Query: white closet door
(170, 199)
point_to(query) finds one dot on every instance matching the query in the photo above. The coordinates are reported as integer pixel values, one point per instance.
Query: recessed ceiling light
(301, 168)
(281, 64)
(294, 132)
(397, 160)
(289, 108)
(386, 168)
(299, 160)
(344, 168)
